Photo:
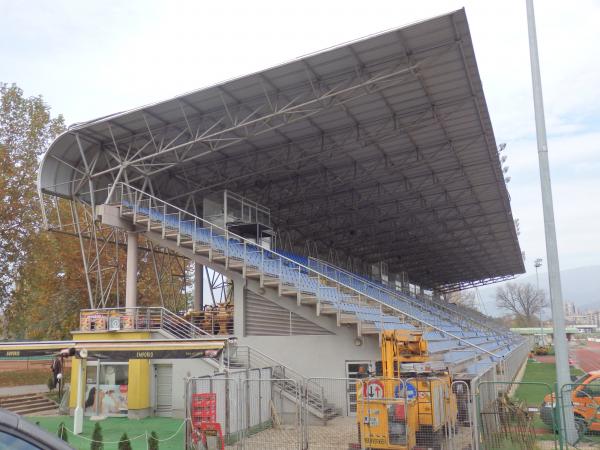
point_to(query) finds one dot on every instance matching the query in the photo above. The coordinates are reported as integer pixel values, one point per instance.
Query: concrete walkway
(22, 390)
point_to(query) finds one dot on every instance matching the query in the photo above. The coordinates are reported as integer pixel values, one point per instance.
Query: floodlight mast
(537, 264)
(556, 302)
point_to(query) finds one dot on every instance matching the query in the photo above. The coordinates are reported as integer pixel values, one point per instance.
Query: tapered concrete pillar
(132, 270)
(198, 287)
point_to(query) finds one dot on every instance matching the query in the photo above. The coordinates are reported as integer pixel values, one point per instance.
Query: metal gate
(332, 425)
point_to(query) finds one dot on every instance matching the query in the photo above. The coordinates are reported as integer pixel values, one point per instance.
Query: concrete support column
(421, 292)
(132, 270)
(198, 286)
(238, 306)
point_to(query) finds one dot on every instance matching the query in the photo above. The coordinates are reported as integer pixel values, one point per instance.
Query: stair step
(35, 409)
(10, 398)
(27, 403)
(22, 402)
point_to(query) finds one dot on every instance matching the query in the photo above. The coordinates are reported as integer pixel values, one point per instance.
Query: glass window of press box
(226, 207)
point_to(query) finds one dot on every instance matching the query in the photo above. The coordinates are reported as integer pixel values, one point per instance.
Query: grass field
(533, 394)
(23, 377)
(114, 427)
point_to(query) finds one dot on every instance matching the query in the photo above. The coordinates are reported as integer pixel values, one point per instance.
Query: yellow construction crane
(411, 406)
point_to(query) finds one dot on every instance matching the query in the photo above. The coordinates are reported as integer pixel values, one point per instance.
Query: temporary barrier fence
(255, 409)
(585, 401)
(506, 422)
(251, 410)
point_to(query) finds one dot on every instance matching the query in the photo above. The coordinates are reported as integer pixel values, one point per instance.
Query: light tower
(537, 264)
(556, 302)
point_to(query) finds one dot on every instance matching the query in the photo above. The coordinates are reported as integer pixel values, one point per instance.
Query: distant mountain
(580, 286)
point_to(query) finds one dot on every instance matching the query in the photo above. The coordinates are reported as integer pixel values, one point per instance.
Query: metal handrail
(142, 315)
(288, 372)
(370, 283)
(398, 295)
(229, 235)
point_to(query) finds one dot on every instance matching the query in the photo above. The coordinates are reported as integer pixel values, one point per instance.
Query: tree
(26, 130)
(463, 298)
(124, 442)
(97, 440)
(523, 301)
(153, 441)
(49, 289)
(42, 278)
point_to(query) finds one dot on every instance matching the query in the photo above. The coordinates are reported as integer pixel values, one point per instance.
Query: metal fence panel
(213, 413)
(585, 401)
(329, 424)
(465, 432)
(271, 413)
(506, 422)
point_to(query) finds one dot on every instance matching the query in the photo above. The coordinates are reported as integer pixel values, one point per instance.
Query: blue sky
(93, 58)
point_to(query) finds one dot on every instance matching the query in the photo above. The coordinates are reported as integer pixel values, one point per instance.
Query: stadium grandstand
(344, 193)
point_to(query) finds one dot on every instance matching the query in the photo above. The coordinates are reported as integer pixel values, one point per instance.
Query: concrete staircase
(28, 404)
(292, 384)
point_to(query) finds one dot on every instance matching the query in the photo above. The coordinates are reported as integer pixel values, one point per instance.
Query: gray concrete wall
(310, 355)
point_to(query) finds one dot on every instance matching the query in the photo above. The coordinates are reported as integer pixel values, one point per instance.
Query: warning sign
(373, 390)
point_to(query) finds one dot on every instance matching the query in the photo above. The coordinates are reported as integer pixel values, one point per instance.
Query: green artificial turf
(114, 427)
(533, 394)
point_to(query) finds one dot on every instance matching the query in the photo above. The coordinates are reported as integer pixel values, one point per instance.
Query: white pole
(132, 269)
(538, 263)
(560, 338)
(78, 413)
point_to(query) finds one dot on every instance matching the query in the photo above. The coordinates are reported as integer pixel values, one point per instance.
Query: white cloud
(95, 58)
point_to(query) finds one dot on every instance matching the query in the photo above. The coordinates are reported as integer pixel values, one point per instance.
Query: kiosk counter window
(106, 389)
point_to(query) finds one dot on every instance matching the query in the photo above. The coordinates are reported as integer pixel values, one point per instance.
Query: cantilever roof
(381, 148)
